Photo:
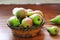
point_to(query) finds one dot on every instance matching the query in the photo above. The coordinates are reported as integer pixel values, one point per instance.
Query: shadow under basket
(31, 32)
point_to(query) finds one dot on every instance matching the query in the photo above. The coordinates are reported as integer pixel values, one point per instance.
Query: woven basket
(26, 33)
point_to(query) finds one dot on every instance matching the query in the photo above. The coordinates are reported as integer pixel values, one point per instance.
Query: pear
(55, 19)
(39, 12)
(29, 10)
(35, 12)
(52, 30)
(37, 19)
(19, 12)
(30, 13)
(13, 21)
(27, 22)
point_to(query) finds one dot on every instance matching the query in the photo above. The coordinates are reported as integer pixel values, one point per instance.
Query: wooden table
(49, 11)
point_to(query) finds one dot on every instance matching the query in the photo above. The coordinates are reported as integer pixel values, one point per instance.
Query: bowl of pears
(26, 22)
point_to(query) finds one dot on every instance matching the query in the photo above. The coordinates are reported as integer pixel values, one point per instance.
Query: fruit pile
(26, 22)
(25, 18)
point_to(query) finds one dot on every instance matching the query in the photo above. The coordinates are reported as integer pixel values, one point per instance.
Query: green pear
(27, 22)
(56, 19)
(37, 19)
(29, 12)
(52, 30)
(13, 21)
(19, 12)
(35, 12)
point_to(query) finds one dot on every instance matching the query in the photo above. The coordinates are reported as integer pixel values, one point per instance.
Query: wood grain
(49, 11)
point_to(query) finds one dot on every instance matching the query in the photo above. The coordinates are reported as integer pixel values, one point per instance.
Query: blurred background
(28, 1)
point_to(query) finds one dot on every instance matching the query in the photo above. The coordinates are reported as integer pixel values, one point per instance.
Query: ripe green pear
(13, 21)
(27, 22)
(56, 19)
(37, 19)
(19, 12)
(52, 30)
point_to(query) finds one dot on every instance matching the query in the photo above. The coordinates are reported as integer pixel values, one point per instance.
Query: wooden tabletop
(49, 11)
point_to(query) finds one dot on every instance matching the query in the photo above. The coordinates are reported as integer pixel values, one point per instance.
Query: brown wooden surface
(49, 11)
